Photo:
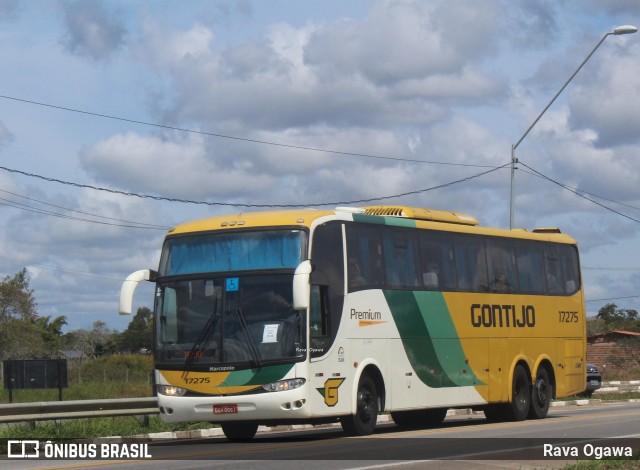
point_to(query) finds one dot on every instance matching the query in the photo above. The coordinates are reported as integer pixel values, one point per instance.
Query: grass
(603, 465)
(621, 373)
(617, 396)
(125, 376)
(607, 396)
(96, 427)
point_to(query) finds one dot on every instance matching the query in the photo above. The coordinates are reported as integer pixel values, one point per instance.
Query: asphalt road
(467, 441)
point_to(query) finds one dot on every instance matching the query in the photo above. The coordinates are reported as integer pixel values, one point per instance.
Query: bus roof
(300, 217)
(389, 215)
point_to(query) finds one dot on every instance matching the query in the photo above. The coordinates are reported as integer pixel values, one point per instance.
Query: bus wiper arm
(203, 339)
(252, 345)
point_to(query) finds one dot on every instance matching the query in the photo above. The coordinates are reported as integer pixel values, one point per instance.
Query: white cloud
(91, 30)
(178, 168)
(394, 67)
(607, 99)
(439, 81)
(163, 46)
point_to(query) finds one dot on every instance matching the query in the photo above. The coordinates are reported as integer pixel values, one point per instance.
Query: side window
(570, 268)
(553, 270)
(364, 257)
(399, 258)
(436, 261)
(167, 306)
(319, 321)
(501, 266)
(471, 264)
(327, 278)
(530, 263)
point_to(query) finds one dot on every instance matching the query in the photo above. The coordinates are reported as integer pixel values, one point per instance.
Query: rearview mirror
(129, 286)
(301, 289)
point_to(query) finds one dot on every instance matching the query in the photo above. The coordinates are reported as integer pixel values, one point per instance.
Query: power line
(575, 190)
(611, 269)
(242, 139)
(610, 200)
(614, 298)
(54, 268)
(577, 193)
(123, 223)
(236, 204)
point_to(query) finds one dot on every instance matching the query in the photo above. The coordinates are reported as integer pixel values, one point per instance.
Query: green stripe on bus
(261, 376)
(381, 220)
(430, 338)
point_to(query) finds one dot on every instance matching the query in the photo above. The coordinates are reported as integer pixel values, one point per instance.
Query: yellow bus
(315, 316)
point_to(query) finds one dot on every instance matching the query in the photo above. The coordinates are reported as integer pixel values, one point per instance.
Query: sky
(213, 107)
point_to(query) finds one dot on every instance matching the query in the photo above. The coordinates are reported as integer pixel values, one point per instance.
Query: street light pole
(617, 31)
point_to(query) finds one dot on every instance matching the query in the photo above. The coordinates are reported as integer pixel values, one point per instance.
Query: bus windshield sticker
(232, 284)
(270, 334)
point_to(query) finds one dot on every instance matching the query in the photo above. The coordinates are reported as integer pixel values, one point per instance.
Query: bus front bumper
(263, 407)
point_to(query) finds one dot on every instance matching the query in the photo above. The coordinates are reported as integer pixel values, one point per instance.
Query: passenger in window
(402, 273)
(355, 275)
(430, 278)
(500, 282)
(553, 285)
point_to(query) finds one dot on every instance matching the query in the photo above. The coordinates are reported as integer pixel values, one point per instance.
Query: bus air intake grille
(418, 213)
(392, 211)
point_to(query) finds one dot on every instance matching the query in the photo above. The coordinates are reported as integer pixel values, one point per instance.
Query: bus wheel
(497, 412)
(239, 431)
(541, 394)
(363, 422)
(419, 418)
(521, 395)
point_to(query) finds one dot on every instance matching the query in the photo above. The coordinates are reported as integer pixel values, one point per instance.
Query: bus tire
(496, 412)
(520, 395)
(419, 418)
(363, 422)
(239, 432)
(541, 394)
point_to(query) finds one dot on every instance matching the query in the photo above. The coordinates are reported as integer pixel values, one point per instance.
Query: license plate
(225, 409)
(595, 382)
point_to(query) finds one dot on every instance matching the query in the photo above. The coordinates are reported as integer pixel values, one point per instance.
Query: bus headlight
(170, 390)
(283, 385)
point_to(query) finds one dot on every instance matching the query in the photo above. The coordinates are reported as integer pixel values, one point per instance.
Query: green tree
(51, 332)
(615, 318)
(139, 333)
(16, 298)
(19, 336)
(98, 341)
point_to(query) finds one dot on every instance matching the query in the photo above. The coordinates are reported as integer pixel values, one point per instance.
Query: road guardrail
(74, 409)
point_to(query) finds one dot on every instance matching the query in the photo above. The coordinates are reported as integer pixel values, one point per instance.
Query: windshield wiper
(202, 340)
(252, 345)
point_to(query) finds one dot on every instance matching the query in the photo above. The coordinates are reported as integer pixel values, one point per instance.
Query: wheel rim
(521, 394)
(365, 405)
(542, 393)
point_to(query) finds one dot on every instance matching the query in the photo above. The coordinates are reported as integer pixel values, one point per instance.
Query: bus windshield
(240, 321)
(220, 302)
